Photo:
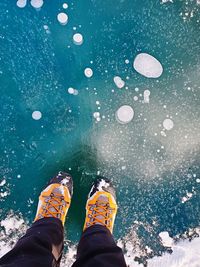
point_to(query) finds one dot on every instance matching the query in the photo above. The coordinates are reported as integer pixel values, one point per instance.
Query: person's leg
(42, 244)
(97, 247)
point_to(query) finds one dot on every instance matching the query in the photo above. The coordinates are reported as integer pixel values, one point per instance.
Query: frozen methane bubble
(37, 3)
(71, 90)
(119, 82)
(146, 96)
(147, 66)
(125, 114)
(21, 3)
(78, 39)
(168, 124)
(96, 115)
(88, 72)
(62, 18)
(65, 5)
(36, 115)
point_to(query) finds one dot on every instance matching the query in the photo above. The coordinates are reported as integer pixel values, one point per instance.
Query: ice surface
(137, 157)
(148, 66)
(125, 114)
(62, 18)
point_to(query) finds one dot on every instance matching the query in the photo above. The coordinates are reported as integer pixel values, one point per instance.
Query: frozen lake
(104, 87)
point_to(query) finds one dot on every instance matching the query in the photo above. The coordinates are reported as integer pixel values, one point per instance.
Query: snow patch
(166, 240)
(148, 66)
(11, 223)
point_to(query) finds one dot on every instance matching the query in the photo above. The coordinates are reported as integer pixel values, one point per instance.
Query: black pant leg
(97, 248)
(34, 249)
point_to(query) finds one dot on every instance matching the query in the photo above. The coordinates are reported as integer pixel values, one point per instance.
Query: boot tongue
(102, 200)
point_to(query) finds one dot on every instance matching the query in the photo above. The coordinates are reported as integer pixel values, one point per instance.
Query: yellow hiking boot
(101, 207)
(55, 199)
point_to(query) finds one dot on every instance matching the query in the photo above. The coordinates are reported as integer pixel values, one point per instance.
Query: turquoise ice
(59, 102)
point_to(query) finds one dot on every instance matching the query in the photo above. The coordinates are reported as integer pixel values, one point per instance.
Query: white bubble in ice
(98, 119)
(75, 92)
(65, 5)
(37, 3)
(46, 27)
(135, 98)
(96, 115)
(36, 115)
(62, 18)
(125, 114)
(127, 61)
(146, 96)
(21, 3)
(168, 124)
(148, 66)
(119, 82)
(88, 72)
(78, 39)
(71, 90)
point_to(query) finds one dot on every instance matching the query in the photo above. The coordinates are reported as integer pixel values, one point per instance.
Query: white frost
(119, 82)
(3, 182)
(148, 66)
(168, 124)
(11, 224)
(125, 114)
(166, 240)
(62, 18)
